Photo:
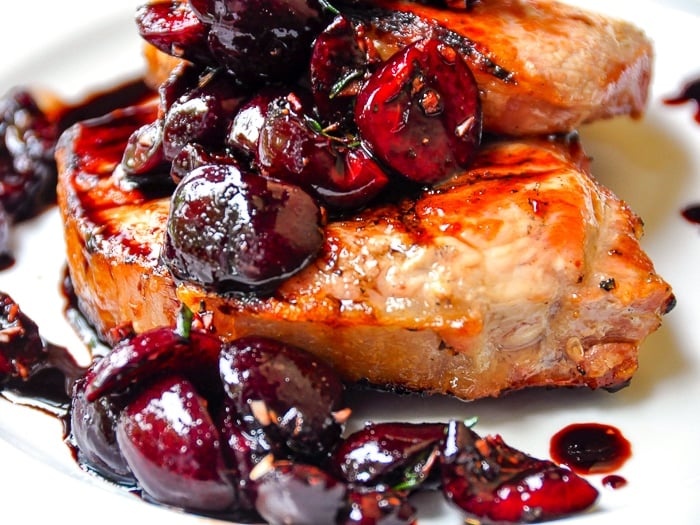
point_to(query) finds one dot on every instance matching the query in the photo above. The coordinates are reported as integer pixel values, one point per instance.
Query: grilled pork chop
(523, 271)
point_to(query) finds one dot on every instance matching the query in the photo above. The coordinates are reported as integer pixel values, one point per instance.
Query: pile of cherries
(27, 167)
(280, 116)
(254, 429)
(285, 115)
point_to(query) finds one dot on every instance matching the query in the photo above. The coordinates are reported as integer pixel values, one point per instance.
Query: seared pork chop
(523, 271)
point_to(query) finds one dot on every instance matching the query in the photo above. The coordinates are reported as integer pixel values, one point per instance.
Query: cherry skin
(235, 231)
(293, 396)
(173, 447)
(420, 112)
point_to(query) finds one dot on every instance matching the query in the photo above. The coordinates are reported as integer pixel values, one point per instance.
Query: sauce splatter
(590, 448)
(689, 92)
(613, 481)
(691, 213)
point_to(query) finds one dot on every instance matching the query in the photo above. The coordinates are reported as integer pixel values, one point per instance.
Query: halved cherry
(293, 147)
(389, 453)
(150, 353)
(489, 479)
(420, 112)
(337, 70)
(173, 447)
(298, 493)
(173, 28)
(288, 149)
(356, 180)
(93, 427)
(293, 396)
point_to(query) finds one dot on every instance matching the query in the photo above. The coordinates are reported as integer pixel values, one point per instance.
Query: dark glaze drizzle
(613, 481)
(692, 213)
(590, 448)
(690, 92)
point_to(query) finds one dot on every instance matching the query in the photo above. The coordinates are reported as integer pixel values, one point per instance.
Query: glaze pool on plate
(654, 164)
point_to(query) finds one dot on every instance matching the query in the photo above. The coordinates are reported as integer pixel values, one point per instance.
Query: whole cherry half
(420, 112)
(173, 447)
(492, 480)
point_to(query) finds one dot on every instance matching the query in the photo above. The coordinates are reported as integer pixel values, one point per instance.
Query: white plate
(74, 46)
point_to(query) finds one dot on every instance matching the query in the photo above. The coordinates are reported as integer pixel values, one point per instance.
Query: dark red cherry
(489, 479)
(230, 230)
(27, 144)
(172, 446)
(200, 115)
(389, 453)
(244, 129)
(173, 28)
(267, 43)
(289, 149)
(293, 147)
(183, 79)
(22, 350)
(337, 70)
(93, 432)
(376, 506)
(294, 396)
(150, 353)
(297, 493)
(194, 155)
(144, 150)
(420, 112)
(356, 180)
(243, 449)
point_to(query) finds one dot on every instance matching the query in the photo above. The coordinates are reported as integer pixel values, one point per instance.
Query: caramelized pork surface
(521, 272)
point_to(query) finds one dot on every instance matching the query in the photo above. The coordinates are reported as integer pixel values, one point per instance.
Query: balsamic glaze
(692, 213)
(690, 92)
(614, 481)
(588, 448)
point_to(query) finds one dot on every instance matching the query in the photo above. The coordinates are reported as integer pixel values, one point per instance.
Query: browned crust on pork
(521, 272)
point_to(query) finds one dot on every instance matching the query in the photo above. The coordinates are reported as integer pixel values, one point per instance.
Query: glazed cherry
(200, 115)
(376, 507)
(151, 353)
(389, 453)
(269, 43)
(183, 79)
(22, 350)
(293, 147)
(355, 182)
(243, 449)
(194, 155)
(244, 129)
(172, 446)
(93, 433)
(292, 395)
(337, 70)
(420, 114)
(489, 479)
(230, 230)
(297, 493)
(173, 28)
(144, 150)
(288, 148)
(27, 144)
